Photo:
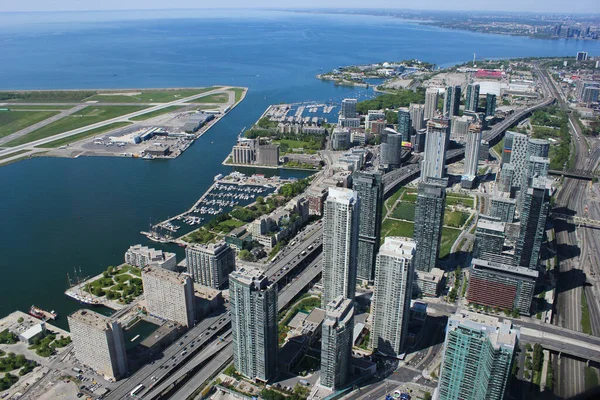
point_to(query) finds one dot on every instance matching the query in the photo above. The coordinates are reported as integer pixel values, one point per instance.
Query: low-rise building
(142, 256)
(428, 283)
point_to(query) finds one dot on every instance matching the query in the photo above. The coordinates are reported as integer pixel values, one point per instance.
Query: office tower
(348, 108)
(210, 264)
(472, 153)
(169, 295)
(502, 285)
(536, 203)
(490, 105)
(452, 101)
(417, 116)
(431, 103)
(369, 187)
(391, 149)
(503, 208)
(582, 55)
(336, 342)
(404, 125)
(340, 244)
(489, 238)
(429, 217)
(99, 343)
(478, 356)
(472, 99)
(436, 143)
(394, 275)
(253, 301)
(143, 256)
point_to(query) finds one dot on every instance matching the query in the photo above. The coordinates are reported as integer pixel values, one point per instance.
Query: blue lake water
(57, 214)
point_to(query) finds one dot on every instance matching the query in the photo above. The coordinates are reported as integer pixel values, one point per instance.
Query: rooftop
(395, 246)
(435, 275)
(530, 273)
(491, 225)
(342, 195)
(205, 292)
(91, 318)
(166, 275)
(500, 333)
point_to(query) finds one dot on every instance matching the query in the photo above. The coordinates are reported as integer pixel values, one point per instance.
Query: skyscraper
(340, 244)
(404, 125)
(503, 208)
(391, 149)
(348, 108)
(99, 343)
(336, 342)
(518, 157)
(490, 104)
(431, 101)
(169, 295)
(472, 99)
(369, 187)
(489, 238)
(433, 164)
(472, 152)
(536, 203)
(253, 323)
(417, 116)
(452, 101)
(210, 264)
(429, 215)
(394, 276)
(478, 355)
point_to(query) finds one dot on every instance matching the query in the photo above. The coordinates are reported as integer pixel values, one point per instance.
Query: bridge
(398, 176)
(581, 221)
(573, 347)
(583, 174)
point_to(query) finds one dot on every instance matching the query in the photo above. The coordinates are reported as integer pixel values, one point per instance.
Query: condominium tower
(452, 101)
(99, 343)
(336, 342)
(340, 244)
(431, 101)
(536, 202)
(429, 214)
(369, 187)
(348, 108)
(434, 161)
(253, 301)
(417, 116)
(478, 355)
(391, 300)
(472, 98)
(169, 295)
(210, 264)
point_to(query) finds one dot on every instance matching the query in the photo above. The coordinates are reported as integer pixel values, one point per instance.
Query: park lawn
(455, 219)
(156, 113)
(393, 227)
(392, 199)
(465, 202)
(13, 121)
(87, 116)
(83, 135)
(405, 211)
(499, 147)
(238, 93)
(218, 98)
(293, 144)
(410, 197)
(449, 236)
(545, 132)
(148, 96)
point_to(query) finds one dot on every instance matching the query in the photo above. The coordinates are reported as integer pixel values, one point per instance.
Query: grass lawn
(87, 116)
(83, 135)
(392, 199)
(455, 219)
(218, 98)
(238, 93)
(591, 378)
(293, 144)
(392, 227)
(465, 202)
(410, 197)
(499, 147)
(586, 324)
(449, 236)
(46, 96)
(147, 96)
(35, 108)
(156, 113)
(14, 154)
(405, 211)
(13, 121)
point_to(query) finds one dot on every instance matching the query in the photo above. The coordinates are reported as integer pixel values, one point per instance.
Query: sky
(562, 6)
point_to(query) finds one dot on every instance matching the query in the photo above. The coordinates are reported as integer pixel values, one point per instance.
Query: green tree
(427, 396)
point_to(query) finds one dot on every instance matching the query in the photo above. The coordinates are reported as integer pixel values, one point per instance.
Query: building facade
(417, 116)
(267, 154)
(452, 101)
(472, 98)
(391, 298)
(436, 144)
(405, 124)
(489, 238)
(210, 264)
(472, 153)
(253, 304)
(429, 212)
(490, 105)
(536, 203)
(348, 108)
(431, 103)
(336, 343)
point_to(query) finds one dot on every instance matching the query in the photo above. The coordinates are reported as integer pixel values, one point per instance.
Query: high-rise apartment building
(436, 144)
(169, 295)
(336, 342)
(417, 116)
(99, 343)
(478, 355)
(210, 264)
(489, 238)
(534, 212)
(429, 214)
(472, 99)
(253, 301)
(518, 157)
(391, 149)
(503, 208)
(340, 244)
(538, 147)
(472, 153)
(369, 187)
(404, 124)
(490, 104)
(460, 128)
(452, 101)
(348, 108)
(394, 275)
(582, 55)
(431, 103)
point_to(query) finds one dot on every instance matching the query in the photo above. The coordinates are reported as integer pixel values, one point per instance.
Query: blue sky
(580, 6)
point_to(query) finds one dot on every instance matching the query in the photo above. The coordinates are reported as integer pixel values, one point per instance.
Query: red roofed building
(487, 73)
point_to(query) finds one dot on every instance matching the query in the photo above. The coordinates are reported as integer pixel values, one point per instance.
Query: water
(57, 214)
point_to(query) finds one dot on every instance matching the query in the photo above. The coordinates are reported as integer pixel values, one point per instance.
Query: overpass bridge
(582, 174)
(581, 349)
(580, 221)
